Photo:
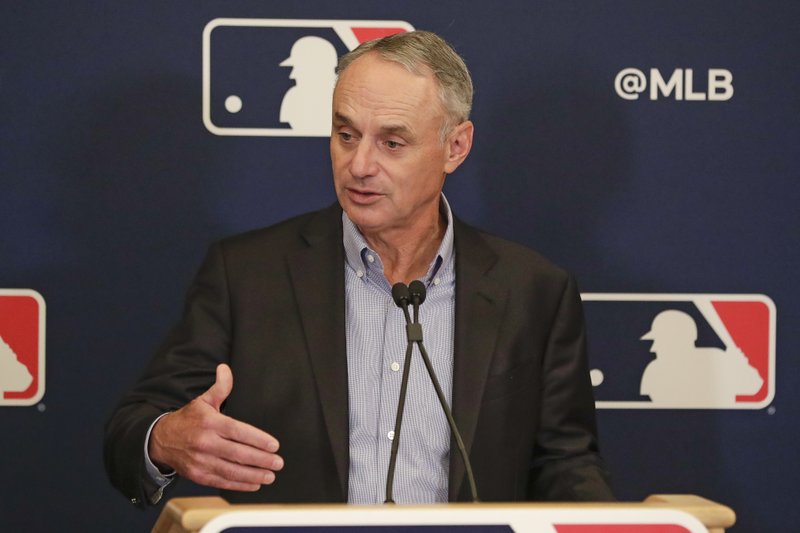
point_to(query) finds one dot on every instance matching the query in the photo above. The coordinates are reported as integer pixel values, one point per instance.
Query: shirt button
(390, 435)
(436, 281)
(360, 273)
(395, 366)
(371, 259)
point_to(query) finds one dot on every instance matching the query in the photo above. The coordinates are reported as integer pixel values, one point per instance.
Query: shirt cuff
(160, 478)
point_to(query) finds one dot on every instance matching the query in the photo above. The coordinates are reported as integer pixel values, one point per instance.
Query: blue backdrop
(112, 187)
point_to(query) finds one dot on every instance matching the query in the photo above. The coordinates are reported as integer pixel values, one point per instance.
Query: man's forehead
(375, 61)
(391, 125)
(387, 91)
(372, 73)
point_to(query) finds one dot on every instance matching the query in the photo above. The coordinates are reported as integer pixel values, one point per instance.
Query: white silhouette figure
(14, 376)
(683, 375)
(307, 106)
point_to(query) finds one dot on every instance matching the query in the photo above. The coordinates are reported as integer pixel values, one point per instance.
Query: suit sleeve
(182, 369)
(566, 465)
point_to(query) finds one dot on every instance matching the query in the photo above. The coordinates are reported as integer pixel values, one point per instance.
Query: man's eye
(343, 135)
(393, 145)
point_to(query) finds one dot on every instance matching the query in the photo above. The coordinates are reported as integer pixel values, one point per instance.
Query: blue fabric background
(111, 188)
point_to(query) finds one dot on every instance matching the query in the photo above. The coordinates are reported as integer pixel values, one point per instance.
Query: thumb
(221, 389)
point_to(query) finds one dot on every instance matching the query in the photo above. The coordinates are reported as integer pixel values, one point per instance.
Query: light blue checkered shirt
(376, 347)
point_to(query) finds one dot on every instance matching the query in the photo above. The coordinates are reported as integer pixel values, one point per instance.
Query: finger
(219, 468)
(217, 482)
(248, 456)
(237, 431)
(221, 389)
(224, 484)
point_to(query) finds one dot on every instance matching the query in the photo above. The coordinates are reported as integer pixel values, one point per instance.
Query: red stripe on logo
(367, 34)
(748, 324)
(620, 528)
(19, 327)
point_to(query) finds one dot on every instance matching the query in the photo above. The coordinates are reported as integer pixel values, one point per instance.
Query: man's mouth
(363, 196)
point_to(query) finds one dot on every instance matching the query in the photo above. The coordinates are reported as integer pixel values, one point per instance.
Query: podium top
(184, 515)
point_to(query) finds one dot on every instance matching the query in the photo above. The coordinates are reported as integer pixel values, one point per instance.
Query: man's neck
(407, 254)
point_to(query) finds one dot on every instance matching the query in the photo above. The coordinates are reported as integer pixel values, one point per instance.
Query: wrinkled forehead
(372, 81)
(376, 64)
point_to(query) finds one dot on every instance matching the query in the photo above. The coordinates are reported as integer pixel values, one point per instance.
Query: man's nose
(364, 163)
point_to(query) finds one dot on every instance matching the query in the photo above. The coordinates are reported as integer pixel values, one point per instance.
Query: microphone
(401, 296)
(416, 292)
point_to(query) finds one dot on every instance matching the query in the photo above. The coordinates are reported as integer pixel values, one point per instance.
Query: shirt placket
(391, 357)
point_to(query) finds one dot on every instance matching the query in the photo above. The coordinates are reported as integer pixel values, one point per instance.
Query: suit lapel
(317, 274)
(480, 303)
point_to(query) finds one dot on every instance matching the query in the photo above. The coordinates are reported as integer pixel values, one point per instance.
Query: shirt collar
(356, 248)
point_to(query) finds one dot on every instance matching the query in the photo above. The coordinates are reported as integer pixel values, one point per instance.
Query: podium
(673, 513)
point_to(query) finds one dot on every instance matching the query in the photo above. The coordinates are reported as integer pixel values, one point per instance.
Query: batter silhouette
(306, 107)
(685, 375)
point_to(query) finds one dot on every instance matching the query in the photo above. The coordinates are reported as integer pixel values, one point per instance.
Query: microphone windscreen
(400, 294)
(417, 289)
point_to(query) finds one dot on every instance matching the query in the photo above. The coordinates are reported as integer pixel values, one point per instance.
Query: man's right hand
(209, 448)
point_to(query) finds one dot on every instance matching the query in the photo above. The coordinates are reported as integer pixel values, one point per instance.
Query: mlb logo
(275, 77)
(22, 323)
(681, 351)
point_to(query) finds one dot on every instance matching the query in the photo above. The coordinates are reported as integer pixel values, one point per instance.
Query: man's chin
(368, 219)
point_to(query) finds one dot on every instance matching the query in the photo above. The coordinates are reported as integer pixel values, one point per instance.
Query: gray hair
(416, 51)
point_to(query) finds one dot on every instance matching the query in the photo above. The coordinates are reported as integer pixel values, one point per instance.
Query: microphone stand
(416, 293)
(401, 296)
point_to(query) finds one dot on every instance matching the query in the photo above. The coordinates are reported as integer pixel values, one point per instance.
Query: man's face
(389, 163)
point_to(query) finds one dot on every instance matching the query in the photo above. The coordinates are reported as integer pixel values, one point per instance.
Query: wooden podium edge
(189, 515)
(715, 516)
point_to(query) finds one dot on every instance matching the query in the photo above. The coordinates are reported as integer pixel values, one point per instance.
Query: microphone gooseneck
(415, 292)
(401, 297)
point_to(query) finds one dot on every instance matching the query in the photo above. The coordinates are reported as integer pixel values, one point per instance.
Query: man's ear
(459, 143)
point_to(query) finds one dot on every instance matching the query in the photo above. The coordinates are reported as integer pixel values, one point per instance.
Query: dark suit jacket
(271, 304)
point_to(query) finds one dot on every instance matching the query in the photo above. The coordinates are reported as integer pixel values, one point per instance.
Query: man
(301, 315)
